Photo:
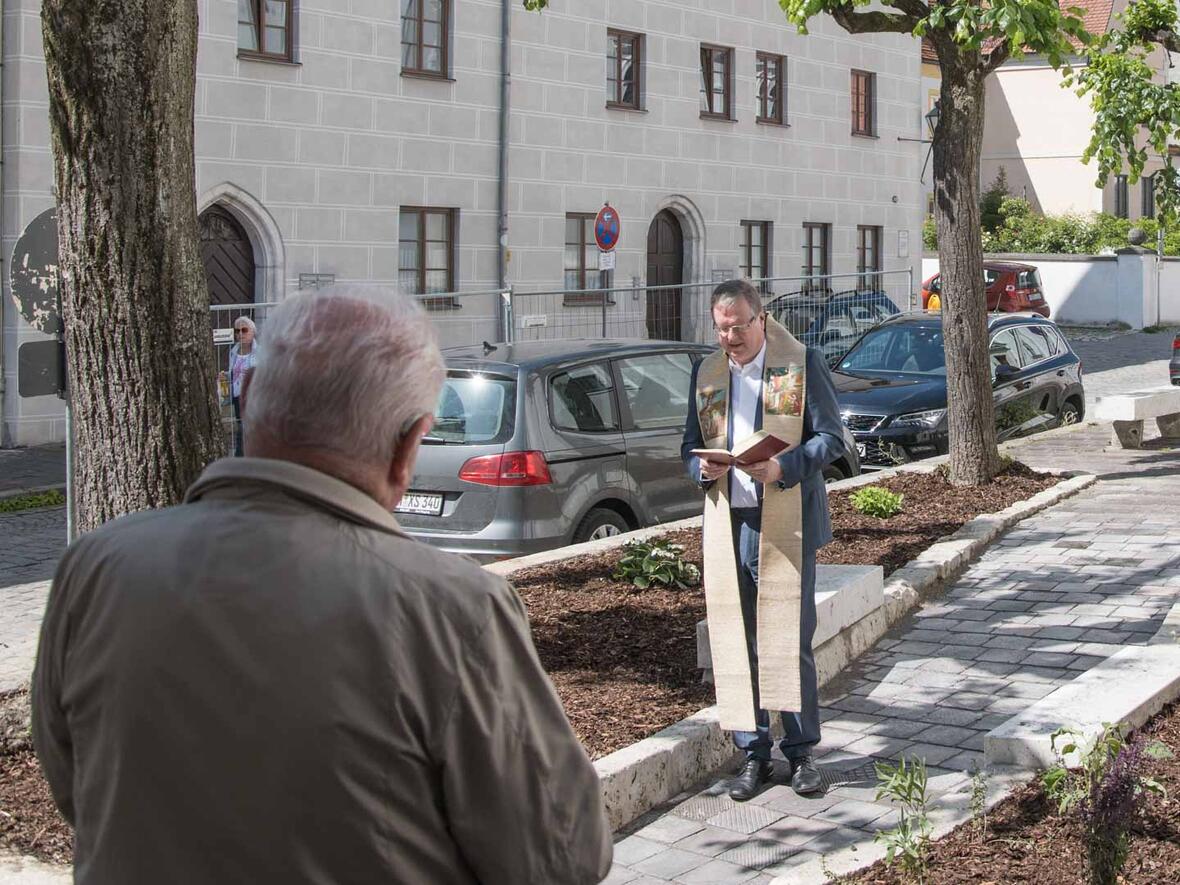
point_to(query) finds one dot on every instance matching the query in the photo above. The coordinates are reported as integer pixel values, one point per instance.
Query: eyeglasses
(738, 329)
(241, 329)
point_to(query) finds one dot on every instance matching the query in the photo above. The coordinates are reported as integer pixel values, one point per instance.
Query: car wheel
(832, 473)
(1069, 414)
(600, 523)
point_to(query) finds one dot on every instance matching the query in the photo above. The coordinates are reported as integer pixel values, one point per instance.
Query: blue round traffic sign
(606, 228)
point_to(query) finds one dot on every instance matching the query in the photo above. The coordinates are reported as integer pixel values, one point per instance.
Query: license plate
(860, 449)
(417, 502)
(1036, 296)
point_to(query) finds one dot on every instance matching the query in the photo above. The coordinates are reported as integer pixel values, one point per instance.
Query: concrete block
(1129, 687)
(1138, 405)
(844, 594)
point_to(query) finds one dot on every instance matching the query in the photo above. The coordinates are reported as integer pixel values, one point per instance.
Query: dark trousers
(238, 439)
(800, 730)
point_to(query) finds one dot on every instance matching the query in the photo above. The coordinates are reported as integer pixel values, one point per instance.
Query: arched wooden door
(665, 267)
(228, 257)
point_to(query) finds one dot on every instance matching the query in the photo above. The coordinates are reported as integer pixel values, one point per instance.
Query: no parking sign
(606, 228)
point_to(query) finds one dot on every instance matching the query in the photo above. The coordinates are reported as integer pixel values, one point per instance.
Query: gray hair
(738, 290)
(346, 370)
(248, 323)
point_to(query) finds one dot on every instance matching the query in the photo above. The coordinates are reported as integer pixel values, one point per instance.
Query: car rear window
(1028, 279)
(475, 408)
(797, 319)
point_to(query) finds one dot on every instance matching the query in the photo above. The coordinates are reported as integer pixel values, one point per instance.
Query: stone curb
(636, 778)
(16, 868)
(1148, 677)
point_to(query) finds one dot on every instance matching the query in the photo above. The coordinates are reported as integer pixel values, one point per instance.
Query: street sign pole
(607, 228)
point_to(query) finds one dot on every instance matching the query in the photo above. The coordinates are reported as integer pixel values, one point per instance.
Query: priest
(763, 523)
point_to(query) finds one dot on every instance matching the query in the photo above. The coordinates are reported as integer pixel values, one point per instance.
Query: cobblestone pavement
(1113, 362)
(32, 467)
(30, 544)
(1057, 594)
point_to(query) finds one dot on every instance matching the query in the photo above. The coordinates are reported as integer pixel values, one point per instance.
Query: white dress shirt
(745, 385)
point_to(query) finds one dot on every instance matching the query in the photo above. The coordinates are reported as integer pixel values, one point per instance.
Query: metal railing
(828, 311)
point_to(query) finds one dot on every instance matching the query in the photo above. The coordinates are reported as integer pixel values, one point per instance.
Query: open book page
(759, 446)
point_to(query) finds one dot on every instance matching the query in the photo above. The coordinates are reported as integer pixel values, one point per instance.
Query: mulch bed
(1027, 841)
(623, 660)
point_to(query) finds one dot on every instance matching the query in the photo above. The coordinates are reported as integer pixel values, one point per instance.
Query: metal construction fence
(828, 311)
(838, 304)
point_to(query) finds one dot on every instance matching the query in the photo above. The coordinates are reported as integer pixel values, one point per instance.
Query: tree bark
(122, 75)
(974, 458)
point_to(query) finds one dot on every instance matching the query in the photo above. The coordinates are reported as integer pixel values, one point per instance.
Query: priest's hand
(711, 470)
(765, 472)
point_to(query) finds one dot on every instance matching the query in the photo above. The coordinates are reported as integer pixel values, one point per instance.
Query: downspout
(3, 264)
(502, 183)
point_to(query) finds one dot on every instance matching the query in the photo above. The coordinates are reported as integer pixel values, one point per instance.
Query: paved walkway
(32, 467)
(30, 544)
(1059, 593)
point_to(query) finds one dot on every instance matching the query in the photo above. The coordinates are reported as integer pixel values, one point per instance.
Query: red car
(1010, 287)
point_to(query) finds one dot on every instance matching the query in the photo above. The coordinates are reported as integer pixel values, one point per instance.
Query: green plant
(990, 200)
(876, 501)
(657, 562)
(52, 498)
(979, 778)
(1106, 790)
(908, 842)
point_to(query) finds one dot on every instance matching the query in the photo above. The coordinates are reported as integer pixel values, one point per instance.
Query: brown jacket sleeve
(523, 800)
(51, 733)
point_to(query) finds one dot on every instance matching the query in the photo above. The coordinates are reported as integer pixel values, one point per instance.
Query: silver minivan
(539, 444)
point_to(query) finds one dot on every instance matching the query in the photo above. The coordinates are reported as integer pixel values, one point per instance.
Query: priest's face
(740, 330)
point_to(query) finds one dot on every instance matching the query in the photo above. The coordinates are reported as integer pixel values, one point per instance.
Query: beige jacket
(272, 683)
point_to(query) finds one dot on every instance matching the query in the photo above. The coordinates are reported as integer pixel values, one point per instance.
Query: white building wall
(315, 158)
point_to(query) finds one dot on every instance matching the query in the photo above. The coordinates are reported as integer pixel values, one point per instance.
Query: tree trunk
(122, 74)
(974, 458)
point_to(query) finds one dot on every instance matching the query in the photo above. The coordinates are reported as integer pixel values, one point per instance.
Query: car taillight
(509, 469)
(1176, 343)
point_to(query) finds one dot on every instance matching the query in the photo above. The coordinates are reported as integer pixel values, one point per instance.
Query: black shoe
(754, 773)
(805, 777)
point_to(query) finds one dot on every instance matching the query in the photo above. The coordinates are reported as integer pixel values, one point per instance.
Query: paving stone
(718, 872)
(745, 818)
(711, 841)
(619, 875)
(791, 804)
(932, 754)
(945, 735)
(633, 849)
(669, 863)
(852, 813)
(760, 852)
(669, 828)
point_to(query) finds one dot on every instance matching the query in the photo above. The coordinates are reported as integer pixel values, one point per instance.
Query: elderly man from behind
(272, 683)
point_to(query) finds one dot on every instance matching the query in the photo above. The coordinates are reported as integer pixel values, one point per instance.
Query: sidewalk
(31, 468)
(1056, 595)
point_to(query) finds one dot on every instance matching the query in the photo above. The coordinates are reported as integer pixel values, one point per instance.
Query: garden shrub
(657, 562)
(876, 501)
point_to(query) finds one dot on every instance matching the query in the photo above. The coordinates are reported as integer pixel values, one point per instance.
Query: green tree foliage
(1135, 112)
(993, 197)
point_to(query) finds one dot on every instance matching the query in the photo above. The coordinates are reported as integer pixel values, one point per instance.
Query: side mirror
(1002, 373)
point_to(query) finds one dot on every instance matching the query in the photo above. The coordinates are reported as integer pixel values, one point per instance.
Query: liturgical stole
(780, 547)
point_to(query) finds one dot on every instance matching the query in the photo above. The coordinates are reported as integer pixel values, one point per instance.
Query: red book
(762, 445)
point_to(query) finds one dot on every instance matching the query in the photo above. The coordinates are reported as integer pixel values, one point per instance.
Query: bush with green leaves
(656, 562)
(909, 842)
(876, 501)
(32, 501)
(1107, 791)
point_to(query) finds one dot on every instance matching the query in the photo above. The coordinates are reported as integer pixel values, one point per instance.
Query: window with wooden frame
(1148, 206)
(1121, 203)
(426, 254)
(864, 100)
(581, 260)
(755, 250)
(868, 257)
(815, 251)
(716, 82)
(772, 88)
(266, 29)
(624, 67)
(425, 25)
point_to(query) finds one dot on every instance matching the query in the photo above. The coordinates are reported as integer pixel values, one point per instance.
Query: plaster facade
(314, 158)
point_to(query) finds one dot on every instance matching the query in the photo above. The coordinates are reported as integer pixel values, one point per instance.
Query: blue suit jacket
(822, 443)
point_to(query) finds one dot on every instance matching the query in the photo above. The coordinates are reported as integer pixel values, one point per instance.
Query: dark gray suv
(539, 444)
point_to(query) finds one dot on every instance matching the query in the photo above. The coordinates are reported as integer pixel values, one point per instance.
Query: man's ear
(401, 468)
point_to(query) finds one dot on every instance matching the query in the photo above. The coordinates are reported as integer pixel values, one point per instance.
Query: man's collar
(754, 366)
(313, 486)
